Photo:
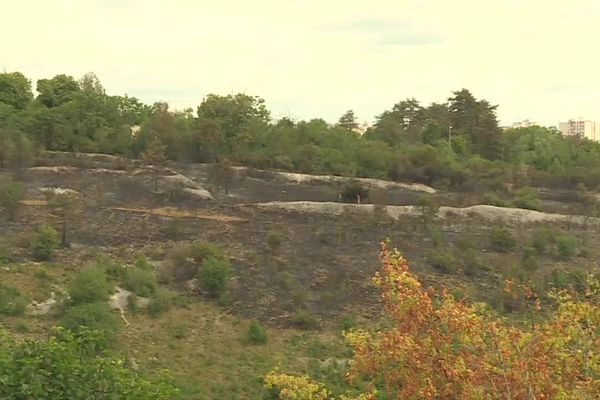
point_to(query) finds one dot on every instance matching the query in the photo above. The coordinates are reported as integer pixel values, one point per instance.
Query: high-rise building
(582, 128)
(525, 124)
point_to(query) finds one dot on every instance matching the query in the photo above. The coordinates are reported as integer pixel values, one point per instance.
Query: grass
(209, 358)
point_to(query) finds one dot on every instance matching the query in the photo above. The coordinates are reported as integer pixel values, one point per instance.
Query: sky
(535, 59)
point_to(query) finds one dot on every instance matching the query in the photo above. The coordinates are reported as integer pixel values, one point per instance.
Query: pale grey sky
(536, 59)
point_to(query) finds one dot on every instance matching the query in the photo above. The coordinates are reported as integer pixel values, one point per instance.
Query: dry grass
(178, 213)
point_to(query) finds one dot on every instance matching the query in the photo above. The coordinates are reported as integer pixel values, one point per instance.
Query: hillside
(302, 261)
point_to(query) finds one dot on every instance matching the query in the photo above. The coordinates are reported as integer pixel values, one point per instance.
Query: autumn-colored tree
(441, 348)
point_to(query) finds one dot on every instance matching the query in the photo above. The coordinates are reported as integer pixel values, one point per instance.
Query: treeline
(456, 144)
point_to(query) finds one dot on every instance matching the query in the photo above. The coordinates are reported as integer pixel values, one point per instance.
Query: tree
(15, 90)
(63, 203)
(11, 194)
(222, 174)
(348, 121)
(477, 120)
(68, 366)
(155, 156)
(438, 348)
(57, 91)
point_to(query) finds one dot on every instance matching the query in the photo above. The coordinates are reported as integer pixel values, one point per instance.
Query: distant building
(525, 124)
(582, 128)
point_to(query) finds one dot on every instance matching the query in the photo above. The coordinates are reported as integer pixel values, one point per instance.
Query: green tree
(63, 204)
(11, 194)
(15, 90)
(348, 121)
(155, 156)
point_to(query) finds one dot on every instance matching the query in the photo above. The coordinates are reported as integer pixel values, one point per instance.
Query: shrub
(12, 302)
(502, 240)
(349, 322)
(443, 261)
(44, 242)
(566, 246)
(160, 303)
(11, 194)
(530, 259)
(214, 275)
(527, 198)
(94, 316)
(274, 241)
(471, 263)
(428, 208)
(200, 251)
(303, 319)
(89, 286)
(437, 238)
(140, 281)
(133, 305)
(494, 199)
(542, 238)
(256, 333)
(353, 191)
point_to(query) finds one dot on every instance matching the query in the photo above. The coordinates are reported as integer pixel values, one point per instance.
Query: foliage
(12, 302)
(214, 275)
(11, 194)
(502, 240)
(65, 366)
(256, 333)
(94, 316)
(439, 348)
(527, 198)
(566, 246)
(443, 261)
(44, 242)
(160, 302)
(303, 319)
(274, 241)
(140, 281)
(222, 174)
(89, 286)
(428, 208)
(354, 192)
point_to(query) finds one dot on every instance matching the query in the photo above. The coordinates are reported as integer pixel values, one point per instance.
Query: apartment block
(582, 128)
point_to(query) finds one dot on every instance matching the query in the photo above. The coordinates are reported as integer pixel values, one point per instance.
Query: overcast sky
(536, 59)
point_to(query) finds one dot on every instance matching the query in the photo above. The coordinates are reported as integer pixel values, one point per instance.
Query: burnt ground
(324, 263)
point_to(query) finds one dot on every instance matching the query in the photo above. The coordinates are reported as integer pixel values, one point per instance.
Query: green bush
(502, 240)
(256, 333)
(140, 281)
(90, 286)
(443, 261)
(44, 242)
(274, 241)
(354, 190)
(542, 239)
(527, 198)
(94, 316)
(200, 251)
(530, 259)
(161, 302)
(566, 246)
(471, 263)
(437, 238)
(214, 275)
(303, 319)
(494, 199)
(12, 302)
(349, 322)
(11, 194)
